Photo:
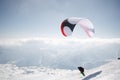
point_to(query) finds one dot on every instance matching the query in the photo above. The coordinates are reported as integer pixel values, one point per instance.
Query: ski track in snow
(109, 71)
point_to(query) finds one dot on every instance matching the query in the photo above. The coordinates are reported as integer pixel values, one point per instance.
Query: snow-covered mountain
(109, 71)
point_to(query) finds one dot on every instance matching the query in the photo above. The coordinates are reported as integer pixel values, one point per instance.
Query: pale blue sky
(31, 18)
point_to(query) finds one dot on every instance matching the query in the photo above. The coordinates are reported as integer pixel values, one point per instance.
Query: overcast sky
(38, 18)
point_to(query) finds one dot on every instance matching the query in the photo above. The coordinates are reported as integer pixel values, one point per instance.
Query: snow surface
(109, 71)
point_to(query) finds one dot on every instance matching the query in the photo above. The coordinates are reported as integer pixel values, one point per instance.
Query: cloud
(59, 41)
(58, 52)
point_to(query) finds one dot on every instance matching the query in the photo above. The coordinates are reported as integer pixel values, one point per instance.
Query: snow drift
(109, 71)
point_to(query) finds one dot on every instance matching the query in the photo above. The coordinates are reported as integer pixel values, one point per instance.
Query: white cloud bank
(59, 52)
(59, 41)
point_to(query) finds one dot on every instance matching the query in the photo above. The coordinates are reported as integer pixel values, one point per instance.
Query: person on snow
(81, 69)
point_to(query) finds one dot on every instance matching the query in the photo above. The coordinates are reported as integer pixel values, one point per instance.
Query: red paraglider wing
(69, 24)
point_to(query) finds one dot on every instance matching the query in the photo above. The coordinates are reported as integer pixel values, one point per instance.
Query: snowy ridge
(109, 71)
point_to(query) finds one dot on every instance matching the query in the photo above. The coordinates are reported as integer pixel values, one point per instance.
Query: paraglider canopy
(68, 25)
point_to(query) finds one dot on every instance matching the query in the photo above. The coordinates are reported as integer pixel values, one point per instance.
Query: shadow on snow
(92, 75)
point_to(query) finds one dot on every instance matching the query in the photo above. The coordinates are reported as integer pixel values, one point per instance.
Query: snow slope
(109, 71)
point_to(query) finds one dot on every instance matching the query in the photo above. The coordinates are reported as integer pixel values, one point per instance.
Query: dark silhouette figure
(118, 58)
(81, 69)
